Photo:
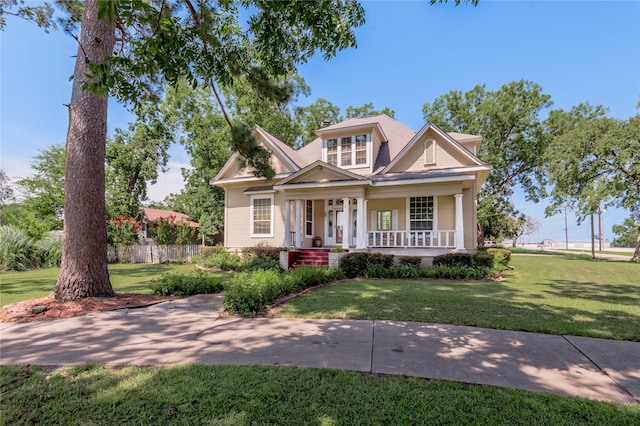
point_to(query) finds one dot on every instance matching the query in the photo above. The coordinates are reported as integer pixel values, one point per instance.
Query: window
(332, 151)
(262, 216)
(345, 156)
(308, 223)
(361, 149)
(348, 151)
(384, 220)
(421, 213)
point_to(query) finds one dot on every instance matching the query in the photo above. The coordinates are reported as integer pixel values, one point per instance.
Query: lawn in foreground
(242, 395)
(548, 294)
(125, 278)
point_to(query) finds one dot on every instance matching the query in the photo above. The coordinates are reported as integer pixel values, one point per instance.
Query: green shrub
(483, 259)
(186, 285)
(263, 262)
(456, 272)
(219, 257)
(414, 261)
(49, 251)
(405, 271)
(248, 294)
(262, 250)
(378, 271)
(356, 264)
(454, 259)
(17, 250)
(501, 258)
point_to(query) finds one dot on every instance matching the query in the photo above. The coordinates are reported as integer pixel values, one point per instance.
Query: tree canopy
(514, 141)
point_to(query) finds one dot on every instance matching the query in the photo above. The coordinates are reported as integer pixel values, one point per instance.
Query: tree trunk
(83, 272)
(480, 234)
(636, 254)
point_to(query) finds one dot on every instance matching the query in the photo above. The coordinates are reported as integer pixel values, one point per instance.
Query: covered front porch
(359, 223)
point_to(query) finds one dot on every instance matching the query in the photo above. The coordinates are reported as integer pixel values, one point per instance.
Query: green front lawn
(564, 294)
(125, 278)
(244, 395)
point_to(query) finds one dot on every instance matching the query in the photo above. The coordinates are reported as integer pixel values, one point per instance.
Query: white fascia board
(321, 185)
(246, 179)
(441, 179)
(266, 136)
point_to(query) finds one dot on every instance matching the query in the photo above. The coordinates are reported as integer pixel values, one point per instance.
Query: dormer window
(332, 151)
(348, 152)
(345, 155)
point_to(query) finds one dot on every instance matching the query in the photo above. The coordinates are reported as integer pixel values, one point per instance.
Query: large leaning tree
(131, 49)
(593, 161)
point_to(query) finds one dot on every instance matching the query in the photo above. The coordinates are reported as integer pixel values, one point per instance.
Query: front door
(334, 222)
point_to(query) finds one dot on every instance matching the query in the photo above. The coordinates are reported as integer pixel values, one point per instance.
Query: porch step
(314, 257)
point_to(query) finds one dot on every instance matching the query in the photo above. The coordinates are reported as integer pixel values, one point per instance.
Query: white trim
(319, 164)
(306, 206)
(260, 192)
(268, 137)
(251, 216)
(464, 151)
(408, 212)
(426, 152)
(423, 180)
(368, 140)
(459, 213)
(322, 185)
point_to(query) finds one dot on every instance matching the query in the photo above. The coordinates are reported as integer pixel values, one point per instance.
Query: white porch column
(346, 225)
(287, 223)
(459, 223)
(299, 223)
(361, 224)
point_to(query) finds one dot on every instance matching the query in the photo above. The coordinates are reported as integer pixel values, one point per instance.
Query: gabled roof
(288, 154)
(447, 137)
(334, 175)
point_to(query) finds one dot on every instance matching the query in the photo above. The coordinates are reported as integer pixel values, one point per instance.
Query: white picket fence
(152, 253)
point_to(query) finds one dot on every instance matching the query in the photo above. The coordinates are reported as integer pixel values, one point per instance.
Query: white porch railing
(418, 239)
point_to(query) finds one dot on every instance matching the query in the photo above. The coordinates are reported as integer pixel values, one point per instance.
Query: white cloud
(170, 182)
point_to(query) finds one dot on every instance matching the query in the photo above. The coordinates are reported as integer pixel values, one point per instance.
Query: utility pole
(566, 229)
(593, 240)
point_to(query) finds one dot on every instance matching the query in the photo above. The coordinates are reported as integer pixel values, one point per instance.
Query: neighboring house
(151, 217)
(364, 183)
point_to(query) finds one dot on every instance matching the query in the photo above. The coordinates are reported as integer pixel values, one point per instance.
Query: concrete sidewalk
(191, 330)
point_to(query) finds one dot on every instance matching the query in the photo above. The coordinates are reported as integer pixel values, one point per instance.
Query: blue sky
(408, 53)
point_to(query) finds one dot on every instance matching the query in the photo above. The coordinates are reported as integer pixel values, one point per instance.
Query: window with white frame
(345, 152)
(332, 151)
(308, 216)
(351, 151)
(421, 213)
(361, 149)
(384, 220)
(262, 216)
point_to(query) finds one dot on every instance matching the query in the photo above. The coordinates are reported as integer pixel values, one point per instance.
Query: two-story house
(364, 183)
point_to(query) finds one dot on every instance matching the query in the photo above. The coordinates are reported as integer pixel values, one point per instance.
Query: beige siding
(446, 212)
(384, 192)
(399, 204)
(446, 156)
(238, 221)
(469, 209)
(413, 160)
